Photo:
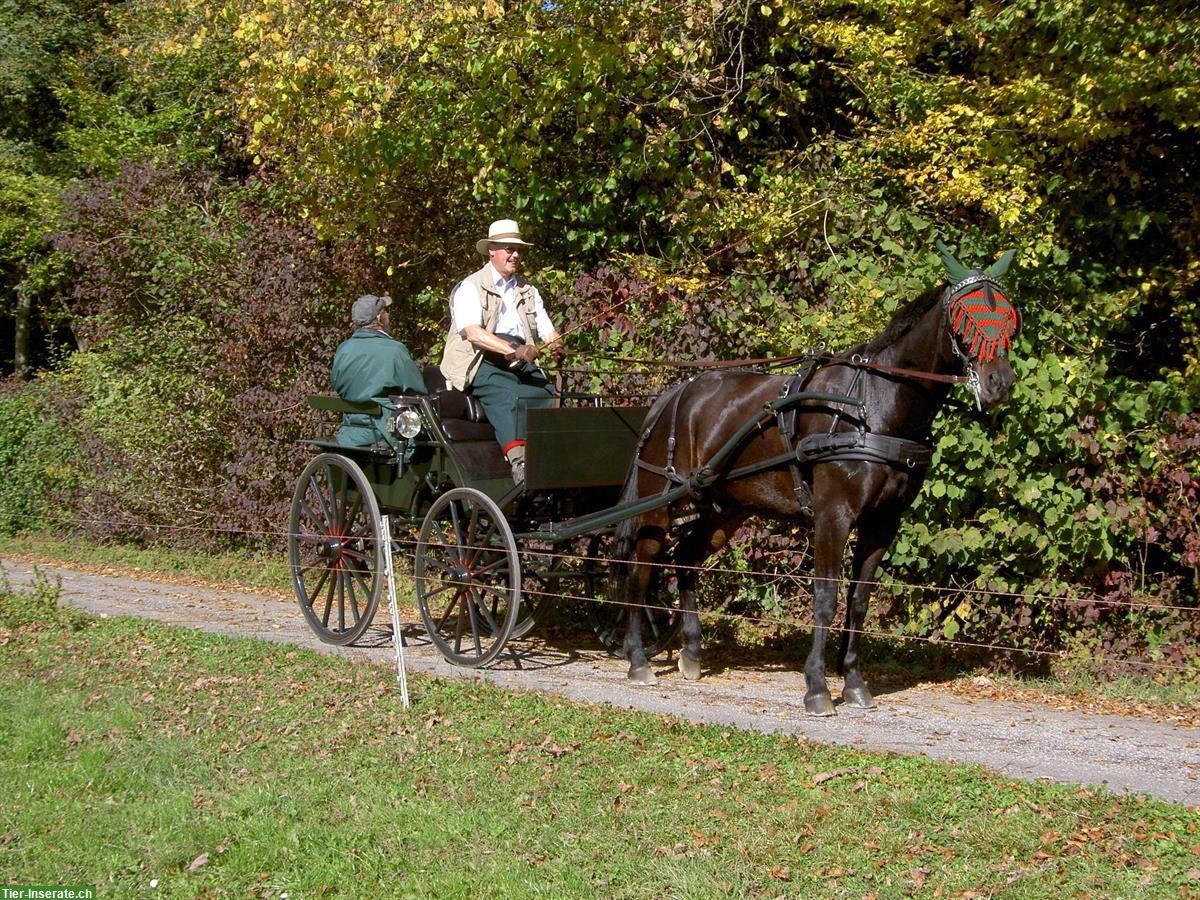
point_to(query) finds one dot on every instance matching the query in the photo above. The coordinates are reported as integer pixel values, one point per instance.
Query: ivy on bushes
(39, 454)
(204, 319)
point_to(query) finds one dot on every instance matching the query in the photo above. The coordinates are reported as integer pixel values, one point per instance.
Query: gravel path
(1024, 740)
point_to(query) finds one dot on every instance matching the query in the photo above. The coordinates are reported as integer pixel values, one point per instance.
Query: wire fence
(549, 563)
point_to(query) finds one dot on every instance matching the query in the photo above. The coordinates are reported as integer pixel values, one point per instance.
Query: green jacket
(370, 365)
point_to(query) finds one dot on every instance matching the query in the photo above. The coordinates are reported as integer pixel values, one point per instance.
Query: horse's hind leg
(636, 582)
(705, 538)
(873, 541)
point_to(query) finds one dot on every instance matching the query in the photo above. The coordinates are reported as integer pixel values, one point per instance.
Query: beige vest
(460, 360)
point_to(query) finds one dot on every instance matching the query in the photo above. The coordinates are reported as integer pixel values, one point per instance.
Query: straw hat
(502, 231)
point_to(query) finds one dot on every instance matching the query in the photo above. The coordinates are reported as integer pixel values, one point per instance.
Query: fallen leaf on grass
(199, 862)
(822, 777)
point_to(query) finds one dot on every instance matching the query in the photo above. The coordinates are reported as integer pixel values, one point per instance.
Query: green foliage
(152, 101)
(156, 415)
(36, 607)
(29, 209)
(38, 455)
(35, 40)
(755, 179)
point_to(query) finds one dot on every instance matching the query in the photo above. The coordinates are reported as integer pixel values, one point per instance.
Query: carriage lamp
(408, 423)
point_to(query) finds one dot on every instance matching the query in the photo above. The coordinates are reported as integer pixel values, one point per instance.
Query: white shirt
(466, 306)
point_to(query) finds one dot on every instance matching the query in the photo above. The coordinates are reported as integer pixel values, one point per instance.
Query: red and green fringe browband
(983, 319)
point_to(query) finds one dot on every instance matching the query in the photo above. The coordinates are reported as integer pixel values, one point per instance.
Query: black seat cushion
(452, 404)
(434, 379)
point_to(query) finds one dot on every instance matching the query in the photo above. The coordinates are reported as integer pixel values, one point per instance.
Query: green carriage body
(451, 485)
(577, 449)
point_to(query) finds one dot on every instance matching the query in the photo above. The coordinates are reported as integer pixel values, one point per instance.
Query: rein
(864, 363)
(778, 361)
(989, 326)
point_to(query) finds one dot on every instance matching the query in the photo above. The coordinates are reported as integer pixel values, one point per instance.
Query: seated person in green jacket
(370, 365)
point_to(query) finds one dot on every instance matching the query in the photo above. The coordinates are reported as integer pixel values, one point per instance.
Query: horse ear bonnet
(999, 268)
(956, 270)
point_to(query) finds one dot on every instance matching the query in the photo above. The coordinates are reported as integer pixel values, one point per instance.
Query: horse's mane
(902, 323)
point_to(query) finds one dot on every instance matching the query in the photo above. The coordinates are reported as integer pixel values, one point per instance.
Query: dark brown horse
(852, 467)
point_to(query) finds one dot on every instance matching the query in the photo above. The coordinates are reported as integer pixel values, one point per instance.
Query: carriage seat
(461, 414)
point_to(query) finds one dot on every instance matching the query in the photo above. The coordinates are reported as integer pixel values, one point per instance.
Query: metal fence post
(389, 573)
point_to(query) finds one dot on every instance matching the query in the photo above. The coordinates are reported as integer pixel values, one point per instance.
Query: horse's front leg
(829, 543)
(873, 540)
(689, 655)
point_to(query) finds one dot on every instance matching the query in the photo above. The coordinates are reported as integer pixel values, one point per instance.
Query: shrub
(36, 607)
(204, 318)
(38, 456)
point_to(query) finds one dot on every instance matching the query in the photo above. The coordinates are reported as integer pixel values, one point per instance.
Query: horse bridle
(991, 288)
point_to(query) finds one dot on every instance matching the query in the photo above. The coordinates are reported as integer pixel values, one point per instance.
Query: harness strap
(847, 446)
(668, 471)
(785, 421)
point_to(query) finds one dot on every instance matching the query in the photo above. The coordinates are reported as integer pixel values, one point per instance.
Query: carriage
(840, 441)
(486, 552)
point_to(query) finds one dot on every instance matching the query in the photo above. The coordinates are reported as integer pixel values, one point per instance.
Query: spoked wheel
(660, 619)
(335, 547)
(468, 577)
(541, 584)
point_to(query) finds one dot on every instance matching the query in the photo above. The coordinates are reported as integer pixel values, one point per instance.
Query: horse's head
(982, 325)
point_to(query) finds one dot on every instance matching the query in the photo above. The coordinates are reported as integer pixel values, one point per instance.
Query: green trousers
(506, 393)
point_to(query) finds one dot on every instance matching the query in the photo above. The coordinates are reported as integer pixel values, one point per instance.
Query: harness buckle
(976, 386)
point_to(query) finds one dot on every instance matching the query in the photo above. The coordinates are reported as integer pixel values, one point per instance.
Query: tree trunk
(22, 366)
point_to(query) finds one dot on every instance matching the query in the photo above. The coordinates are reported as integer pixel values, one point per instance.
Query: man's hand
(525, 353)
(558, 352)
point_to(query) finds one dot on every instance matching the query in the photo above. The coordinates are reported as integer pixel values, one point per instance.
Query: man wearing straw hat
(496, 321)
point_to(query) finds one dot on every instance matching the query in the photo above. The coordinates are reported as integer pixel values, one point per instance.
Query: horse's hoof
(819, 705)
(858, 697)
(689, 665)
(643, 675)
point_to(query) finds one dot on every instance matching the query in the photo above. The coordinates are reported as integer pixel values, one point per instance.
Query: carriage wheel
(335, 547)
(660, 619)
(468, 577)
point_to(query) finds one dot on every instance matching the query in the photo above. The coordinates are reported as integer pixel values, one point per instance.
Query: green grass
(256, 571)
(142, 759)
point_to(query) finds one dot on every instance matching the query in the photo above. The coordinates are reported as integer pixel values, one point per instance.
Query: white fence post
(389, 573)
